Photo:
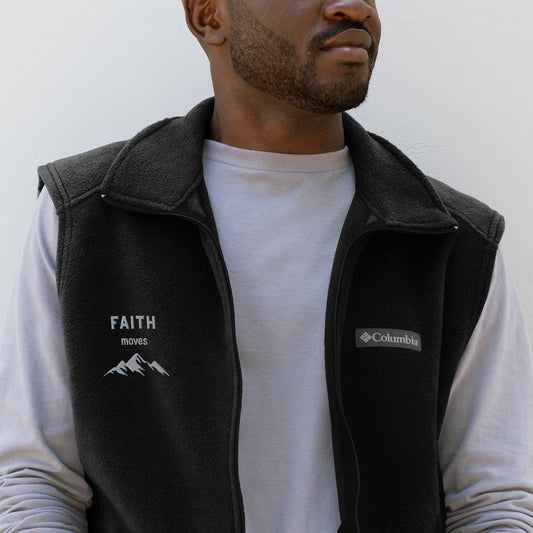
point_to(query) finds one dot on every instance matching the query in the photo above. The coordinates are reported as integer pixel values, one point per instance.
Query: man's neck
(268, 125)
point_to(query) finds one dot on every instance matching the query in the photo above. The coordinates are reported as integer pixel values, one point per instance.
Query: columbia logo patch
(365, 337)
(388, 338)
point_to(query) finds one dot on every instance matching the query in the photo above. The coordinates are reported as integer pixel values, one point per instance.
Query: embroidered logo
(137, 365)
(135, 327)
(132, 322)
(388, 338)
(365, 337)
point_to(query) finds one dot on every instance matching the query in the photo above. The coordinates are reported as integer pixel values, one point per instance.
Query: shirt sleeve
(42, 487)
(486, 443)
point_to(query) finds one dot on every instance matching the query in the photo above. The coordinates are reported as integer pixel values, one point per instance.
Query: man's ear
(204, 18)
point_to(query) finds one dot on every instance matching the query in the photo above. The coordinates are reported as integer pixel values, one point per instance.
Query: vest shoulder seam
(83, 196)
(76, 177)
(494, 230)
(481, 218)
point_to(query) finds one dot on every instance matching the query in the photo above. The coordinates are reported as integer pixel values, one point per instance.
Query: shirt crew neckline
(276, 162)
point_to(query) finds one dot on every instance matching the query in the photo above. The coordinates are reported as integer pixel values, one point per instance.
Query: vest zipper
(371, 229)
(238, 506)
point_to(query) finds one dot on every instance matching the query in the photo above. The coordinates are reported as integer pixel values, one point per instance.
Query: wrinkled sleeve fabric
(486, 443)
(42, 487)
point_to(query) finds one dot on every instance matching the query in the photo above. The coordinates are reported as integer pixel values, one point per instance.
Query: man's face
(314, 57)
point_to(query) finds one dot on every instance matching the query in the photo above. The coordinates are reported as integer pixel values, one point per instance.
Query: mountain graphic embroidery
(137, 365)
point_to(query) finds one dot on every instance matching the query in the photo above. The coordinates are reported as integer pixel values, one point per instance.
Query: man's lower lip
(353, 54)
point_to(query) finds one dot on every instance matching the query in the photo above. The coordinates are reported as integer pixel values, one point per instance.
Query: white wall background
(453, 88)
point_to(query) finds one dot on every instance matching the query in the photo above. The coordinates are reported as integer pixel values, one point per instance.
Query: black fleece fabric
(149, 332)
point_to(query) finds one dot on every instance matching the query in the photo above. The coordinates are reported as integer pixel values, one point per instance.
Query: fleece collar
(161, 167)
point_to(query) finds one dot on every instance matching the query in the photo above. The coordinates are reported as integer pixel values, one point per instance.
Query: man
(246, 344)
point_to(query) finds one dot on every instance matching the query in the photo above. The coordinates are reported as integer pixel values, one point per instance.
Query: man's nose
(355, 10)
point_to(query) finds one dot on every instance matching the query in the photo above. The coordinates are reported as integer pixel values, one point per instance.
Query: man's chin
(332, 103)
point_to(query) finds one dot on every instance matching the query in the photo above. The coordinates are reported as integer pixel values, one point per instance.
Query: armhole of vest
(494, 234)
(49, 177)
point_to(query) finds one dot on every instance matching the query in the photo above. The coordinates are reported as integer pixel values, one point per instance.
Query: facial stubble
(270, 63)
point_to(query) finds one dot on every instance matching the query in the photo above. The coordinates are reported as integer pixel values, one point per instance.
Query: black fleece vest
(149, 332)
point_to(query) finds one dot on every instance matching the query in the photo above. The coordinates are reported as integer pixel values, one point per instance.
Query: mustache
(319, 38)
